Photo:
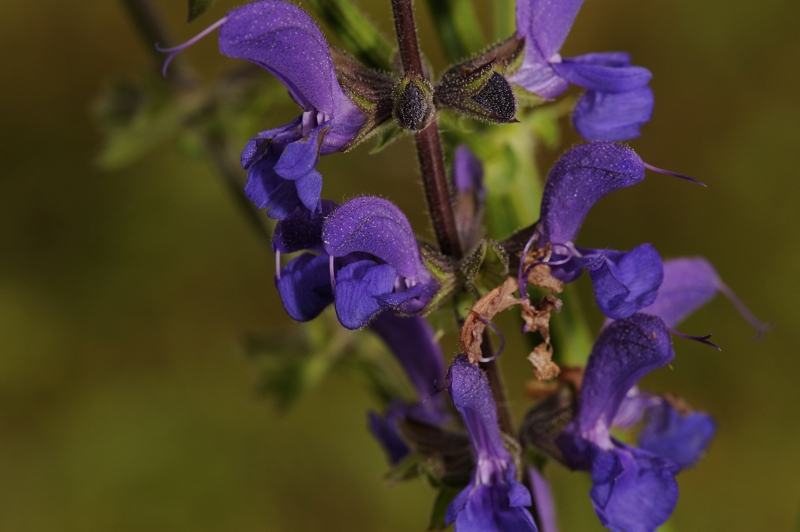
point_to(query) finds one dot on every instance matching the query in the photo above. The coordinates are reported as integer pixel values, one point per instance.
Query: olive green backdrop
(126, 402)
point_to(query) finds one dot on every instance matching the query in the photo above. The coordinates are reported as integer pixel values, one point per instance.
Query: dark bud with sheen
(478, 87)
(413, 103)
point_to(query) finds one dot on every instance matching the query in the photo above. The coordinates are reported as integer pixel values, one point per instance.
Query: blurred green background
(126, 400)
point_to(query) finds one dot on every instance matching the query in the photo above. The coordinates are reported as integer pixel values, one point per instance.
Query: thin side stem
(152, 31)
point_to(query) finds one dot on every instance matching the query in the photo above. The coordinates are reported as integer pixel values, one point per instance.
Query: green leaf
(388, 134)
(198, 7)
(139, 118)
(409, 468)
(439, 513)
(358, 35)
(457, 28)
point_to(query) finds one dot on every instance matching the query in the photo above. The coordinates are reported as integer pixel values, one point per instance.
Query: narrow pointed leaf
(198, 7)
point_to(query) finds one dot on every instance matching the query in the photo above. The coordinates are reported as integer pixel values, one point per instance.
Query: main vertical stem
(429, 146)
(437, 188)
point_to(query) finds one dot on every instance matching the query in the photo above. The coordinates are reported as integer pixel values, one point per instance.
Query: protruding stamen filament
(497, 331)
(674, 174)
(751, 318)
(175, 50)
(330, 269)
(522, 274)
(278, 264)
(701, 339)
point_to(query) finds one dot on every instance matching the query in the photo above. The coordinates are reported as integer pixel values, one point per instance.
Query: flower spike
(175, 50)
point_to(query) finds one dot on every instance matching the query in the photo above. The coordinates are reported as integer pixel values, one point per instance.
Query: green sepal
(439, 513)
(198, 7)
(440, 266)
(408, 468)
(494, 268)
(388, 133)
(478, 87)
(356, 32)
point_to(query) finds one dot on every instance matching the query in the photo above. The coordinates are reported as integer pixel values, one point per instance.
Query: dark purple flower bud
(633, 489)
(617, 101)
(471, 196)
(494, 501)
(281, 38)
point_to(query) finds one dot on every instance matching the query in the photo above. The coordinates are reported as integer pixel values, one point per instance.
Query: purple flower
(617, 101)
(367, 261)
(470, 196)
(379, 261)
(411, 341)
(494, 500)
(690, 283)
(543, 501)
(634, 490)
(281, 38)
(624, 282)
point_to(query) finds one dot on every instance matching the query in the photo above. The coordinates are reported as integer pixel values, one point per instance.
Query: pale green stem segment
(458, 29)
(503, 20)
(357, 33)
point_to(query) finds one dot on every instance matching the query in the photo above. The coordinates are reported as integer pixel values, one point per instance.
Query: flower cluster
(363, 257)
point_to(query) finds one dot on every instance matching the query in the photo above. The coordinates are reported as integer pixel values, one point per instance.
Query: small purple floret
(617, 101)
(494, 501)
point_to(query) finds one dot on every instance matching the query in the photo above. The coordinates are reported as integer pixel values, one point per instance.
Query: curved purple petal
(626, 281)
(543, 500)
(579, 178)
(411, 341)
(683, 438)
(488, 510)
(376, 226)
(269, 190)
(283, 39)
(283, 135)
(299, 158)
(607, 72)
(613, 117)
(357, 287)
(305, 286)
(297, 231)
(546, 22)
(625, 351)
(468, 172)
(689, 283)
(633, 490)
(632, 408)
(384, 429)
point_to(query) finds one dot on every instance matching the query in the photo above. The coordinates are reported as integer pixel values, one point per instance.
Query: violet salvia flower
(411, 340)
(617, 101)
(471, 195)
(281, 38)
(690, 283)
(543, 501)
(495, 500)
(624, 282)
(379, 262)
(634, 490)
